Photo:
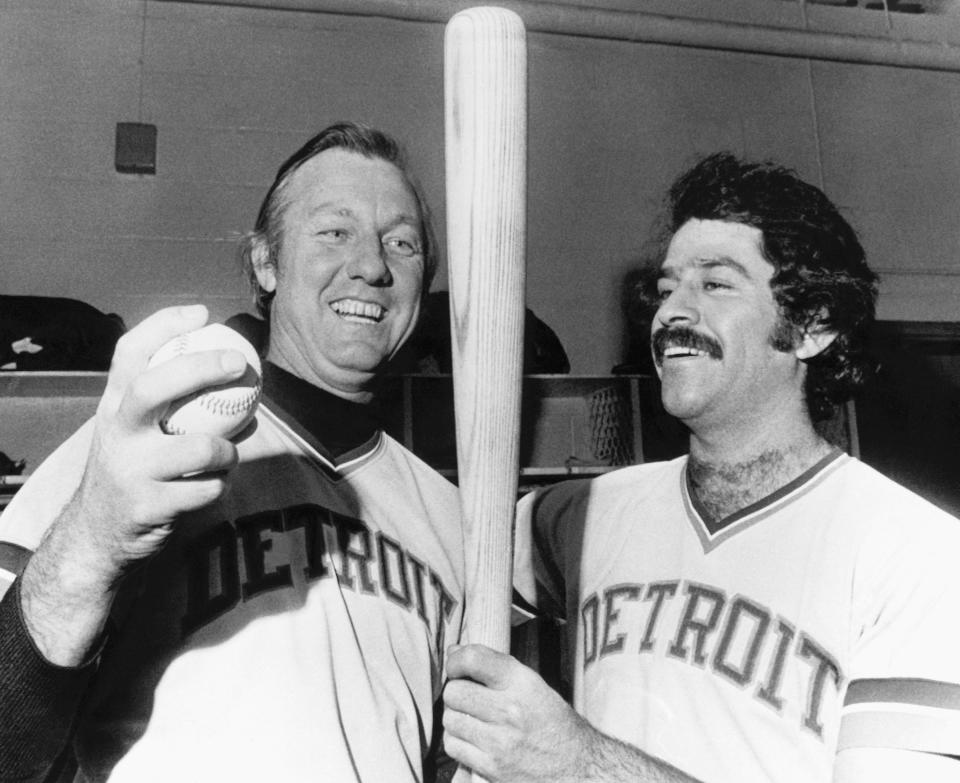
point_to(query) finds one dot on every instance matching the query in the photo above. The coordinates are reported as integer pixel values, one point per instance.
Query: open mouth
(676, 352)
(358, 312)
(683, 343)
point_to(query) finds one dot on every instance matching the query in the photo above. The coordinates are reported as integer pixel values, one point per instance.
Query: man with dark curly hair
(765, 608)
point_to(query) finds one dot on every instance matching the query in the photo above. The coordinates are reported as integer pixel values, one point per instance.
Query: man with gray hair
(293, 628)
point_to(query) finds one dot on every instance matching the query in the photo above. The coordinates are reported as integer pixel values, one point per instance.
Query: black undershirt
(336, 424)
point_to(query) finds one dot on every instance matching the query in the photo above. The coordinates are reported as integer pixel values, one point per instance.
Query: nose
(368, 262)
(679, 307)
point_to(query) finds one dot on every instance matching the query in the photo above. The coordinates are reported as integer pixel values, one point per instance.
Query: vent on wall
(136, 148)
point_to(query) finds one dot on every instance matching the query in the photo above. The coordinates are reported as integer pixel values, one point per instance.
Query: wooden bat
(486, 119)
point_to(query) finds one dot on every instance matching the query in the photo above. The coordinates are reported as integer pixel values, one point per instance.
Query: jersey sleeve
(549, 531)
(904, 688)
(37, 699)
(39, 501)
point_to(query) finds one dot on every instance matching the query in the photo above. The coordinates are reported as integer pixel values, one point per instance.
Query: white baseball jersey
(822, 617)
(294, 631)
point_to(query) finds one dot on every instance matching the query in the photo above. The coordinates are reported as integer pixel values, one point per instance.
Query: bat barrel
(485, 119)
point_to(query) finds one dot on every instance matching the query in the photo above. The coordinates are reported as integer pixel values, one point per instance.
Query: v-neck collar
(339, 430)
(712, 534)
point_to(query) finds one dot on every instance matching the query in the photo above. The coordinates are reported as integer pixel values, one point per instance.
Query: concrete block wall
(234, 90)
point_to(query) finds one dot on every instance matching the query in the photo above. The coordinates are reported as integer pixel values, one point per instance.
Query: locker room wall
(233, 90)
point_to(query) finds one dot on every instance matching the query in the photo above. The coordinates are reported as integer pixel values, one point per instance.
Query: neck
(336, 425)
(351, 389)
(728, 477)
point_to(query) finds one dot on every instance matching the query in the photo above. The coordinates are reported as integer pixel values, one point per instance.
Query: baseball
(218, 410)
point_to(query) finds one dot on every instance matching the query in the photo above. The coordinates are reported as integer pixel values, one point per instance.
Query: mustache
(683, 337)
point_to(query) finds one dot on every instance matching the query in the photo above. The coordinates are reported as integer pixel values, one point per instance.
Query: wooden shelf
(40, 410)
(52, 384)
(572, 425)
(546, 475)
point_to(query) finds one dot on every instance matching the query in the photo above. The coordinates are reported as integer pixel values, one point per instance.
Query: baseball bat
(485, 126)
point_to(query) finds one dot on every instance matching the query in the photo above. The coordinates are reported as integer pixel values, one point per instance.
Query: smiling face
(715, 331)
(349, 271)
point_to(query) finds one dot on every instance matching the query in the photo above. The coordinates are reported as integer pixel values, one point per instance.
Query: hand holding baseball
(137, 479)
(225, 409)
(136, 482)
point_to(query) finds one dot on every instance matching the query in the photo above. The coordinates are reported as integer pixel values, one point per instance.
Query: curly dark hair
(353, 137)
(820, 278)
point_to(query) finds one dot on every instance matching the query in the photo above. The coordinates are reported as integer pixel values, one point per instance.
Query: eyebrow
(711, 262)
(402, 218)
(330, 207)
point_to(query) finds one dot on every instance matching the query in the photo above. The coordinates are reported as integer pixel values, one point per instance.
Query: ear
(263, 265)
(813, 342)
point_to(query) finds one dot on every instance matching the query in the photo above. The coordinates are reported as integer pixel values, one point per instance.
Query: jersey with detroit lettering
(819, 618)
(293, 631)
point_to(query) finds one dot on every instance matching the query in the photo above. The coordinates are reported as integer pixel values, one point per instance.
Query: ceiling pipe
(641, 27)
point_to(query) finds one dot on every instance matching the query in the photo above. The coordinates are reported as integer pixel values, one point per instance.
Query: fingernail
(233, 362)
(193, 312)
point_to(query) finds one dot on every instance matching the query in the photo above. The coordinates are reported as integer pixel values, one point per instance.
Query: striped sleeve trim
(909, 714)
(13, 559)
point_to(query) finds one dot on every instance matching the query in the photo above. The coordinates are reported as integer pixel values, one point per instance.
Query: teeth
(353, 308)
(676, 350)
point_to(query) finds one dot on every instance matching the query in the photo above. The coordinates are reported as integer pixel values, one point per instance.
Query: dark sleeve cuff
(38, 700)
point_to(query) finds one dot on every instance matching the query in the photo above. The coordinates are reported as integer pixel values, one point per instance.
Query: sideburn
(785, 335)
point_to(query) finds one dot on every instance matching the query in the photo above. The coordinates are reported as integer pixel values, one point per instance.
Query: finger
(462, 775)
(188, 456)
(480, 663)
(471, 698)
(150, 393)
(195, 492)
(167, 500)
(466, 753)
(135, 348)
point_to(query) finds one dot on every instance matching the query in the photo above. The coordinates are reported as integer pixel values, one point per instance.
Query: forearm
(38, 701)
(66, 592)
(608, 760)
